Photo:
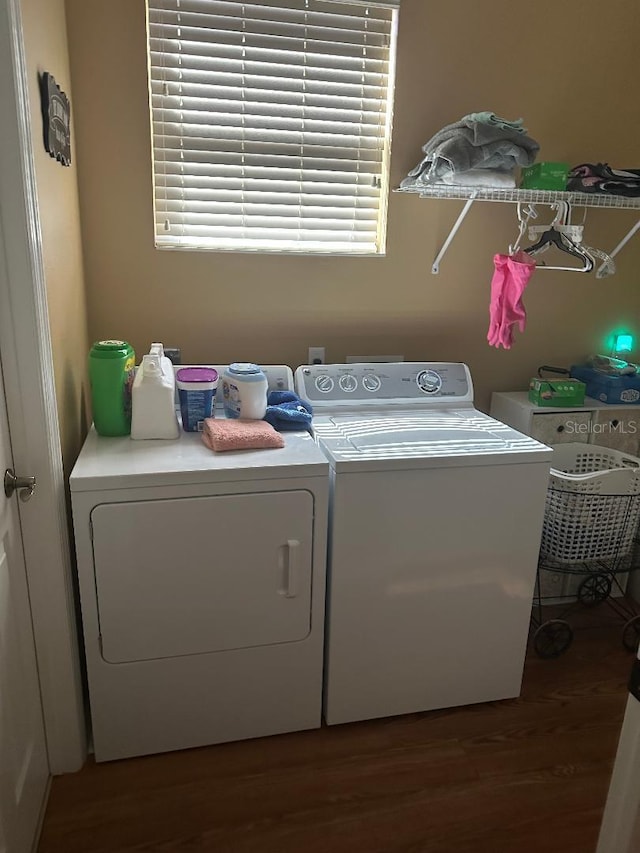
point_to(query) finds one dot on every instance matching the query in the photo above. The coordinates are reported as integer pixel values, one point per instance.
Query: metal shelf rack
(471, 194)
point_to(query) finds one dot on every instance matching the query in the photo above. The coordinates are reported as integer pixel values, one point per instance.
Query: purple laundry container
(197, 392)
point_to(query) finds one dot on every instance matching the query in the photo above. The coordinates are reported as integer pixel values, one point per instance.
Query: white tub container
(244, 391)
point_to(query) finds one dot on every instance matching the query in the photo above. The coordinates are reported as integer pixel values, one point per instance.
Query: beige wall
(552, 63)
(46, 50)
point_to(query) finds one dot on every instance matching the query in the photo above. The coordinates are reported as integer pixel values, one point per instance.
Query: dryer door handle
(293, 551)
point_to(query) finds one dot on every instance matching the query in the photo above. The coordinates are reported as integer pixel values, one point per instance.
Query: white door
(620, 829)
(24, 771)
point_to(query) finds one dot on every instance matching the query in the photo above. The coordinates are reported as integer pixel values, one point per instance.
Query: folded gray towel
(470, 144)
(492, 118)
(495, 178)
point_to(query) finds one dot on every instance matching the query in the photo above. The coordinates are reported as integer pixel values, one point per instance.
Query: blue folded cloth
(287, 412)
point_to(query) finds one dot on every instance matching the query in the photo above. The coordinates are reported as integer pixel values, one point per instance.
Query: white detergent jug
(153, 413)
(166, 364)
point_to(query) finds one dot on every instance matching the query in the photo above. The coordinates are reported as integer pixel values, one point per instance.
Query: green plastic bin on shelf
(545, 176)
(111, 374)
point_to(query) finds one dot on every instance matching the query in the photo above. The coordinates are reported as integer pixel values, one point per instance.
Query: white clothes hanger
(568, 238)
(553, 236)
(608, 265)
(524, 217)
(573, 232)
(561, 223)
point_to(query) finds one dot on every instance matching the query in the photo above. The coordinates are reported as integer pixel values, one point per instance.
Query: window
(271, 123)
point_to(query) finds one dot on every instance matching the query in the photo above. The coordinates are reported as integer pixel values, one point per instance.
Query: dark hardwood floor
(521, 776)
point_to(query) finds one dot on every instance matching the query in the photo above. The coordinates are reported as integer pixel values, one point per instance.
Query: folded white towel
(498, 178)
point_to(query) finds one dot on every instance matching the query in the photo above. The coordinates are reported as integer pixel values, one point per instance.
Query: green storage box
(556, 392)
(545, 176)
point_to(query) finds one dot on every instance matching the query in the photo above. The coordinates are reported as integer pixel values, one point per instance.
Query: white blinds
(271, 123)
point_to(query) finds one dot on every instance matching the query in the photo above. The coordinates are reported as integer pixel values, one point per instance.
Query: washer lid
(426, 439)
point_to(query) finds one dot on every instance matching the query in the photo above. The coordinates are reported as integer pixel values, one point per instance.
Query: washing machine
(202, 581)
(436, 513)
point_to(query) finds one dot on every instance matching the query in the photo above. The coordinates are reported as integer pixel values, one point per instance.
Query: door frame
(32, 412)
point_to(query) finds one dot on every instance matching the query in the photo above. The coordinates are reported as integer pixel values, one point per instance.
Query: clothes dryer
(202, 580)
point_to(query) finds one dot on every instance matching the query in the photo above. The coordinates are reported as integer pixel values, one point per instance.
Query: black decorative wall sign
(56, 117)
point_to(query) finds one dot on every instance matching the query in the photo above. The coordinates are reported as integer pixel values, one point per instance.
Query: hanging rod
(471, 194)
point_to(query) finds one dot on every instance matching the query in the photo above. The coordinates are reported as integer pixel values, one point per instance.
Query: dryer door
(193, 575)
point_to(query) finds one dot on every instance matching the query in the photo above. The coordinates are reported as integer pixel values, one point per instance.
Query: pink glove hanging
(510, 277)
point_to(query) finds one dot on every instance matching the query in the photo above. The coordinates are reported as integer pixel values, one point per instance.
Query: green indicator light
(623, 343)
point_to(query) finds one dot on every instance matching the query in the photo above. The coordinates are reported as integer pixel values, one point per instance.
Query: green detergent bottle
(111, 374)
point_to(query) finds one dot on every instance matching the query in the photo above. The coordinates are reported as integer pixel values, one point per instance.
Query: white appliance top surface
(522, 398)
(443, 435)
(120, 463)
(394, 415)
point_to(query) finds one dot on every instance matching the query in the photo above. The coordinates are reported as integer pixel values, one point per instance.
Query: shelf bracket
(435, 269)
(600, 272)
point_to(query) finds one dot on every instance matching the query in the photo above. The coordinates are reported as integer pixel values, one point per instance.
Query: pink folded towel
(219, 434)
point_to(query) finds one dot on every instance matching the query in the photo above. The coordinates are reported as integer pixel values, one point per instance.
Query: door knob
(24, 485)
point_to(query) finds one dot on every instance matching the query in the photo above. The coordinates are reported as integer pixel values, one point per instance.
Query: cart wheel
(631, 634)
(594, 589)
(552, 638)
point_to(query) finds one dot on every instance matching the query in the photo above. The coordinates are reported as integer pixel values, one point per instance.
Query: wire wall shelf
(519, 196)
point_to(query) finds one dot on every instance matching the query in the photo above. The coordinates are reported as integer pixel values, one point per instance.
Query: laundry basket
(592, 505)
(590, 521)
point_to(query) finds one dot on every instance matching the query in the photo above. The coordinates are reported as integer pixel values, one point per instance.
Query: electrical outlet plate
(316, 355)
(174, 354)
